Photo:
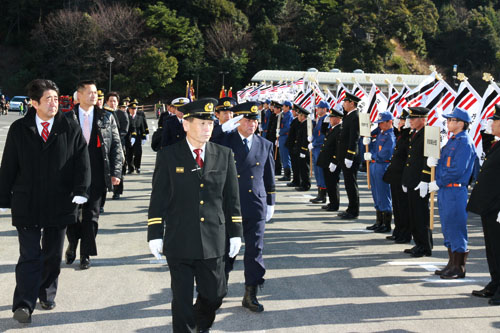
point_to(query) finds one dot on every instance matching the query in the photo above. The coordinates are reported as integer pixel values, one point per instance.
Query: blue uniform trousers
(318, 171)
(452, 202)
(381, 191)
(253, 234)
(284, 152)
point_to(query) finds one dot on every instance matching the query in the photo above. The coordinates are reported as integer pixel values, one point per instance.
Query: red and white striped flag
(319, 96)
(395, 108)
(418, 95)
(330, 99)
(341, 90)
(377, 102)
(440, 102)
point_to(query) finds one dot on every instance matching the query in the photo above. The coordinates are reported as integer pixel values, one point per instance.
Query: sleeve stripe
(426, 172)
(154, 222)
(351, 152)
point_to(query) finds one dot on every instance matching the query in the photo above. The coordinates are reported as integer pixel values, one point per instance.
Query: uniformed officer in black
(484, 200)
(327, 158)
(194, 200)
(271, 133)
(139, 131)
(415, 182)
(255, 167)
(172, 130)
(294, 157)
(347, 154)
(301, 149)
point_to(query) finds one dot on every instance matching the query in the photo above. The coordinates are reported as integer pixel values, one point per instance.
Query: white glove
(423, 188)
(432, 162)
(3, 210)
(270, 212)
(156, 247)
(231, 124)
(147, 137)
(332, 167)
(407, 123)
(498, 217)
(132, 141)
(79, 200)
(143, 142)
(395, 122)
(405, 189)
(368, 156)
(348, 163)
(310, 146)
(366, 140)
(310, 138)
(327, 117)
(234, 246)
(433, 187)
(302, 155)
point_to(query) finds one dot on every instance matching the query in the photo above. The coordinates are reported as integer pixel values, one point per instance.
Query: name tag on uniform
(179, 170)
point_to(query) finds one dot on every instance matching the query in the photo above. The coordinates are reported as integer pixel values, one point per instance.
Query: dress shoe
(22, 315)
(47, 305)
(138, 170)
(284, 179)
(382, 229)
(402, 240)
(410, 251)
(347, 216)
(130, 171)
(302, 189)
(485, 292)
(250, 299)
(70, 253)
(292, 184)
(391, 237)
(84, 262)
(419, 252)
(116, 196)
(330, 208)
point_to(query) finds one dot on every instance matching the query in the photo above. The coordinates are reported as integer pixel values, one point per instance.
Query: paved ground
(323, 275)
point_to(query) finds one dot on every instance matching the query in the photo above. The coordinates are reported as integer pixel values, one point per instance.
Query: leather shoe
(419, 252)
(391, 237)
(22, 315)
(346, 216)
(410, 251)
(47, 305)
(292, 184)
(84, 262)
(402, 240)
(485, 292)
(116, 196)
(302, 189)
(70, 253)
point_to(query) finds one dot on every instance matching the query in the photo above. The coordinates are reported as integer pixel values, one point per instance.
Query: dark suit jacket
(485, 196)
(394, 171)
(172, 131)
(349, 137)
(38, 180)
(328, 150)
(292, 135)
(255, 174)
(191, 208)
(416, 169)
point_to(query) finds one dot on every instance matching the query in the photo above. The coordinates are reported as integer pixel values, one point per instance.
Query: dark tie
(45, 131)
(245, 143)
(198, 157)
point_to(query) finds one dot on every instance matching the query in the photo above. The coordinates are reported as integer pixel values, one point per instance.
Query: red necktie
(198, 157)
(45, 131)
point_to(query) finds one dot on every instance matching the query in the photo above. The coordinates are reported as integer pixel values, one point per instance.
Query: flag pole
(433, 178)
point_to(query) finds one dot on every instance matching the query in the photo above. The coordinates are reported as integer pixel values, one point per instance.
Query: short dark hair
(84, 83)
(466, 126)
(110, 94)
(38, 87)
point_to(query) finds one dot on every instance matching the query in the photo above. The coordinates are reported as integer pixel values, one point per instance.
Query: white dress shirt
(39, 124)
(202, 154)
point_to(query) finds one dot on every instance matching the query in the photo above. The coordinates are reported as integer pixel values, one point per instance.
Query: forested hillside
(158, 46)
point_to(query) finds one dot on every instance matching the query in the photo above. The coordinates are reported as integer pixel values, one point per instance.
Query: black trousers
(351, 186)
(277, 161)
(491, 230)
(211, 288)
(87, 225)
(332, 186)
(294, 158)
(38, 267)
(419, 219)
(401, 212)
(304, 170)
(134, 155)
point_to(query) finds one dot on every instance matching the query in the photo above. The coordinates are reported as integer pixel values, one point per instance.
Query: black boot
(317, 197)
(287, 175)
(377, 223)
(457, 267)
(71, 253)
(250, 299)
(440, 271)
(321, 196)
(386, 223)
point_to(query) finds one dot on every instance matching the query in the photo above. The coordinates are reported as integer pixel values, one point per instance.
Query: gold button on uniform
(201, 202)
(202, 219)
(257, 163)
(201, 185)
(251, 177)
(250, 191)
(238, 176)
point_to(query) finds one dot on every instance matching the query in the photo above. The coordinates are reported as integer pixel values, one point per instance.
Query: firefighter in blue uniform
(453, 173)
(255, 167)
(284, 130)
(318, 138)
(381, 150)
(172, 129)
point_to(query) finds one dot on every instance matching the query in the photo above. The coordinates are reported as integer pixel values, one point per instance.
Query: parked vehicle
(16, 101)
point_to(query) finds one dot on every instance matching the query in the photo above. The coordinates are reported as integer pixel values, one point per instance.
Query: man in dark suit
(194, 201)
(105, 151)
(172, 129)
(255, 167)
(415, 182)
(138, 131)
(302, 151)
(347, 155)
(327, 159)
(485, 201)
(294, 157)
(45, 173)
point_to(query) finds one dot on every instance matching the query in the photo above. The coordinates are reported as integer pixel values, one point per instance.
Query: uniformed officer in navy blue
(284, 130)
(453, 173)
(294, 156)
(255, 166)
(318, 138)
(223, 113)
(194, 200)
(415, 181)
(348, 156)
(484, 200)
(381, 150)
(172, 129)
